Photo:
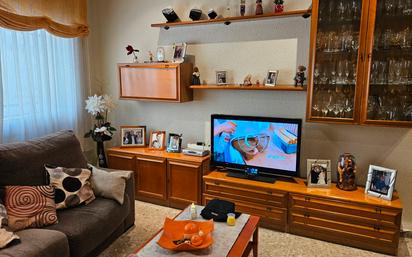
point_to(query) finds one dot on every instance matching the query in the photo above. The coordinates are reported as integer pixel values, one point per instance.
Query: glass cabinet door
(335, 47)
(388, 99)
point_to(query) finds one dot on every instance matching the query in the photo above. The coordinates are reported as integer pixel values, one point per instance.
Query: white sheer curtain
(42, 85)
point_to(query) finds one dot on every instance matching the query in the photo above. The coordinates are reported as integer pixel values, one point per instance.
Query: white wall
(240, 48)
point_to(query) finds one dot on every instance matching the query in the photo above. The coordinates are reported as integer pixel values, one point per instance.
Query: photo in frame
(174, 144)
(271, 78)
(133, 136)
(179, 52)
(221, 77)
(319, 173)
(157, 140)
(380, 182)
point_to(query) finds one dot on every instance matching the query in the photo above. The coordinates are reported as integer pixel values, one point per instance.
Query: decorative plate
(174, 231)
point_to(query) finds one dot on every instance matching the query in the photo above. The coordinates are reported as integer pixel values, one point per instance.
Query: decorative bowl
(174, 230)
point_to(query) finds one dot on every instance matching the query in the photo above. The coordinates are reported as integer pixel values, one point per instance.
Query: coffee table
(245, 243)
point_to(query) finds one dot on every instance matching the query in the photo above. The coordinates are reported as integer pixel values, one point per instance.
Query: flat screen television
(256, 145)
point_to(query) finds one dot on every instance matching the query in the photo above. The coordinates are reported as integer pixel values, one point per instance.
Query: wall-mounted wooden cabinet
(168, 82)
(360, 69)
(170, 179)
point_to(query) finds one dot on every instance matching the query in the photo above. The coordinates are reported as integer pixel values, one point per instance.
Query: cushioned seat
(87, 226)
(38, 243)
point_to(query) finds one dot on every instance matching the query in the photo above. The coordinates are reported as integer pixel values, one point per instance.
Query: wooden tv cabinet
(170, 179)
(348, 218)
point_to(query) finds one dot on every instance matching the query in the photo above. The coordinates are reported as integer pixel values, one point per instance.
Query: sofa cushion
(30, 206)
(87, 226)
(23, 163)
(38, 243)
(72, 186)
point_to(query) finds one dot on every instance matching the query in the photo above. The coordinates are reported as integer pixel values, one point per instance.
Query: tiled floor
(149, 218)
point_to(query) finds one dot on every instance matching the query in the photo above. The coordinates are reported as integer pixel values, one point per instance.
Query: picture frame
(271, 78)
(380, 182)
(157, 140)
(319, 173)
(133, 136)
(179, 52)
(174, 144)
(221, 77)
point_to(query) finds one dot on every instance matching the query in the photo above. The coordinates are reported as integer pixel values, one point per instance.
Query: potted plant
(99, 107)
(278, 6)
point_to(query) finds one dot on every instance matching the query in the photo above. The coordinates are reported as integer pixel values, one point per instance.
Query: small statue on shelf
(258, 82)
(150, 56)
(278, 6)
(242, 7)
(259, 7)
(247, 81)
(300, 76)
(346, 172)
(195, 76)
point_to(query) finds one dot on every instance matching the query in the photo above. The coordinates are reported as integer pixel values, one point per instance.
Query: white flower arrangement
(99, 106)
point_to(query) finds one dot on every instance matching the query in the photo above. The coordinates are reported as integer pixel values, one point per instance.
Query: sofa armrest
(130, 192)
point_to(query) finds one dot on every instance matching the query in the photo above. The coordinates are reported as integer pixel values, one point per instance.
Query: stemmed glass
(341, 10)
(347, 71)
(340, 69)
(390, 7)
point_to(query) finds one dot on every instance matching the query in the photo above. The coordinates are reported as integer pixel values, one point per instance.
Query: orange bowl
(175, 229)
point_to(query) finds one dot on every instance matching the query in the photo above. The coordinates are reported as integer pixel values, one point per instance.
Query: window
(41, 85)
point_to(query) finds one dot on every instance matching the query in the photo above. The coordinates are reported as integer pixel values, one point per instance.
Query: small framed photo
(157, 140)
(179, 52)
(319, 173)
(133, 136)
(380, 182)
(271, 78)
(175, 143)
(221, 77)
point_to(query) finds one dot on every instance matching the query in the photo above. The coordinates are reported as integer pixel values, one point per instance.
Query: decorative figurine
(278, 6)
(258, 82)
(259, 7)
(195, 76)
(131, 50)
(160, 54)
(150, 56)
(346, 172)
(242, 7)
(195, 14)
(300, 76)
(247, 81)
(170, 15)
(212, 14)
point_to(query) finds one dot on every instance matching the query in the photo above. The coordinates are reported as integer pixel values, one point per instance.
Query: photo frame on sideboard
(133, 136)
(380, 182)
(157, 140)
(319, 173)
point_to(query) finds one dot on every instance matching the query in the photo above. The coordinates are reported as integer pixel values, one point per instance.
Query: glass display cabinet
(360, 62)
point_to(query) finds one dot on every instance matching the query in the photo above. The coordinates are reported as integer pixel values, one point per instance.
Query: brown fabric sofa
(82, 231)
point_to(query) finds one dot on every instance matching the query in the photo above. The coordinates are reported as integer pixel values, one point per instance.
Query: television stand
(265, 179)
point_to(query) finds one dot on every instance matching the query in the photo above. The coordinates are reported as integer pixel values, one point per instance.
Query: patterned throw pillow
(72, 186)
(3, 215)
(30, 206)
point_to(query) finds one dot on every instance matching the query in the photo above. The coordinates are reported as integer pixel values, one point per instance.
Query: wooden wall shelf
(229, 20)
(253, 87)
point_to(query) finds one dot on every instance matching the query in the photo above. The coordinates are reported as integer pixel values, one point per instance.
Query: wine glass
(390, 7)
(341, 10)
(340, 69)
(356, 10)
(347, 71)
(316, 74)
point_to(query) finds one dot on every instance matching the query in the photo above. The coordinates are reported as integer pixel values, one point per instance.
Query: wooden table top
(158, 153)
(240, 244)
(300, 187)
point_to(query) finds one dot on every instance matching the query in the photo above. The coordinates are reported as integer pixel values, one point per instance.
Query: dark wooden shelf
(229, 20)
(252, 87)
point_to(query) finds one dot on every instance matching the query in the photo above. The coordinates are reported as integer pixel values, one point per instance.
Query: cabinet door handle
(306, 214)
(378, 210)
(307, 199)
(150, 160)
(269, 208)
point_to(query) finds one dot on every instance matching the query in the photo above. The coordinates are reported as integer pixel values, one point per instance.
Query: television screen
(272, 145)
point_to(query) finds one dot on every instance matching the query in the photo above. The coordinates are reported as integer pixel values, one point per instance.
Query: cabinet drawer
(121, 161)
(377, 231)
(340, 208)
(276, 215)
(269, 197)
